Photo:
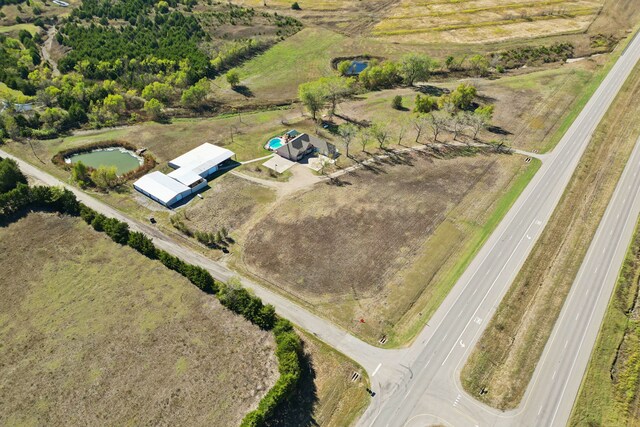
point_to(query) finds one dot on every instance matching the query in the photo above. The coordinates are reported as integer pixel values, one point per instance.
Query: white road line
(376, 370)
(566, 343)
(486, 295)
(554, 374)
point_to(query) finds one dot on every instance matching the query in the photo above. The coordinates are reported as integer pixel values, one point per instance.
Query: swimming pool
(275, 143)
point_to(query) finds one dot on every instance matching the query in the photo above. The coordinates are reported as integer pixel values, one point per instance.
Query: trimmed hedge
(288, 353)
(23, 198)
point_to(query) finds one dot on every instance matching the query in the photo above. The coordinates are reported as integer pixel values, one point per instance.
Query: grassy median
(506, 355)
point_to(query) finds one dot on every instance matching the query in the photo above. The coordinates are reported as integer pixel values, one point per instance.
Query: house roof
(161, 186)
(302, 142)
(297, 145)
(185, 176)
(202, 158)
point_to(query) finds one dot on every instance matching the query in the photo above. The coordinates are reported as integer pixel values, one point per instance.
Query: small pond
(123, 159)
(357, 67)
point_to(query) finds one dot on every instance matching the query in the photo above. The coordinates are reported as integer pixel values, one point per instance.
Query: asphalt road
(419, 385)
(431, 392)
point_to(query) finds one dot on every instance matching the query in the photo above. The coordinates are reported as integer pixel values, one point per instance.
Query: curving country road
(419, 385)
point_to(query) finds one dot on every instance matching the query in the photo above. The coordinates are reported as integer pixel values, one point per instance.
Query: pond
(357, 67)
(123, 159)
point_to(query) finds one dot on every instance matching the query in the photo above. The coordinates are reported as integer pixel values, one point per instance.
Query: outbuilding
(190, 175)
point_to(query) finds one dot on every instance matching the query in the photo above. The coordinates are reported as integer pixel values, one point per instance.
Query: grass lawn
(95, 333)
(387, 240)
(17, 27)
(609, 391)
(506, 355)
(232, 203)
(276, 73)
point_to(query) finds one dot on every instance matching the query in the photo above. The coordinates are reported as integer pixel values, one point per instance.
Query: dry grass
(482, 21)
(93, 333)
(326, 396)
(508, 351)
(232, 203)
(351, 250)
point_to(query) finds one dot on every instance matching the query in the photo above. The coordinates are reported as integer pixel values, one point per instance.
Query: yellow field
(480, 21)
(444, 21)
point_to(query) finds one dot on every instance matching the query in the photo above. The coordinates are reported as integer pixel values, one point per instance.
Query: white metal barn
(189, 176)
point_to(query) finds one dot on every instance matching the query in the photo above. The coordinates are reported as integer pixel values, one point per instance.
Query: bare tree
(381, 133)
(479, 119)
(364, 138)
(419, 124)
(437, 122)
(347, 132)
(459, 122)
(402, 131)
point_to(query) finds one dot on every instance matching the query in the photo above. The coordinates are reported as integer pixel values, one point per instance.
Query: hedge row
(237, 299)
(288, 348)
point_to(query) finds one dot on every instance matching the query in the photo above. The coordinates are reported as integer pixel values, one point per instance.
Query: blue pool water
(275, 143)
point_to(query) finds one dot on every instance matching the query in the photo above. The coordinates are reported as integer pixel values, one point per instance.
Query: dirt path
(46, 51)
(302, 178)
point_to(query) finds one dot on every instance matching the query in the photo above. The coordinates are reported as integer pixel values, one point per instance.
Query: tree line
(22, 198)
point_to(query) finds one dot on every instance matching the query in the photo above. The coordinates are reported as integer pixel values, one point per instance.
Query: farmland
(93, 332)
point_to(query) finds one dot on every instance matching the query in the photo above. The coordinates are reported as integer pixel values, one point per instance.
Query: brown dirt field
(232, 203)
(508, 351)
(92, 333)
(350, 239)
(351, 250)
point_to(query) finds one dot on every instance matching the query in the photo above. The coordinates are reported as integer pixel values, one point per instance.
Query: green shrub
(396, 102)
(295, 6)
(10, 175)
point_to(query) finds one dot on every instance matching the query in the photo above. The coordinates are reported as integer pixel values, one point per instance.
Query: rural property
(336, 212)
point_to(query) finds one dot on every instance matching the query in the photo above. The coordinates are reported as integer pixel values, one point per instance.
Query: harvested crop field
(352, 248)
(93, 333)
(482, 21)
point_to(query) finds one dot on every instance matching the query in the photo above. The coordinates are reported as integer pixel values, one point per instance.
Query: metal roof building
(192, 169)
(203, 160)
(161, 188)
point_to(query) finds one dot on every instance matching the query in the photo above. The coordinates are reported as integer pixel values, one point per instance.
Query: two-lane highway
(438, 354)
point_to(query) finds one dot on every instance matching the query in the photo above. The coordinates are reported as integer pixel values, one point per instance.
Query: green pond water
(122, 159)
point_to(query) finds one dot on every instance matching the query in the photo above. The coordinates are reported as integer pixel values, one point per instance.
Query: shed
(203, 160)
(162, 188)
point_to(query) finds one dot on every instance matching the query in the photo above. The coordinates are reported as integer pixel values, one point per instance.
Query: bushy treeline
(17, 58)
(287, 351)
(10, 175)
(531, 55)
(237, 299)
(108, 50)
